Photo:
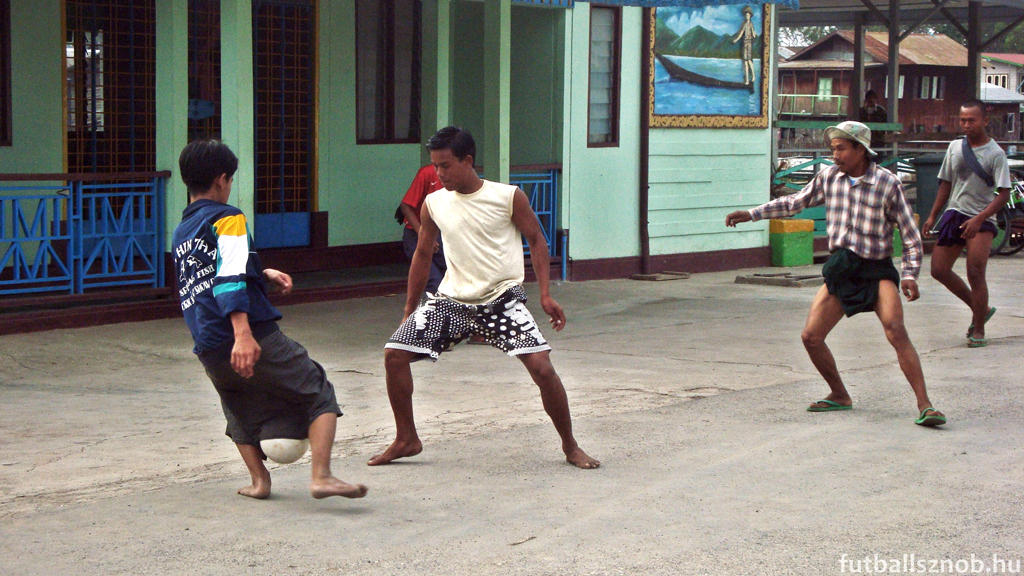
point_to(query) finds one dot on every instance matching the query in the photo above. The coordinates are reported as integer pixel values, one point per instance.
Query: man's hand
(554, 311)
(929, 224)
(737, 217)
(244, 354)
(910, 290)
(405, 315)
(278, 278)
(971, 228)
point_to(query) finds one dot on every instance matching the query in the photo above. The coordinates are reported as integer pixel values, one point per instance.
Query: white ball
(284, 450)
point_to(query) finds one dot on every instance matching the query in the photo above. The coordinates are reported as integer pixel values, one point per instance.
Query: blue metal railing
(34, 241)
(541, 187)
(81, 231)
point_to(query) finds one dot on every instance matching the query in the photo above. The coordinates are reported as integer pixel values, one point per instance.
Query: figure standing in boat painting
(708, 66)
(748, 34)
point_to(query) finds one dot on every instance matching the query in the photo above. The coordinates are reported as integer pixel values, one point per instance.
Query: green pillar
(497, 88)
(436, 69)
(172, 101)
(236, 94)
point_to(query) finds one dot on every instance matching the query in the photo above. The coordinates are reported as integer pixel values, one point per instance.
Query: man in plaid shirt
(863, 202)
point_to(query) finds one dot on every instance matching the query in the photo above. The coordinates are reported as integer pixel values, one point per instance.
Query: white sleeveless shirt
(482, 247)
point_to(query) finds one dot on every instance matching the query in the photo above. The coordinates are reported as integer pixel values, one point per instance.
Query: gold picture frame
(684, 92)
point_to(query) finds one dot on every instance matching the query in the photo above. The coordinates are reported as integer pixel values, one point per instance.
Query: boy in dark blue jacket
(268, 386)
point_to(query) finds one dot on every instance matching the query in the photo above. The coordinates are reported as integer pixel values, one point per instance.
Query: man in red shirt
(425, 182)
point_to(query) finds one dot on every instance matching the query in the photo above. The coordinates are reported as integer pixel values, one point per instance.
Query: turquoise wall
(467, 69)
(696, 176)
(37, 77)
(359, 185)
(536, 85)
(601, 203)
(536, 79)
(172, 108)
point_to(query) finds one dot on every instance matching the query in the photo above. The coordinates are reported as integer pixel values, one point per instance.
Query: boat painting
(708, 61)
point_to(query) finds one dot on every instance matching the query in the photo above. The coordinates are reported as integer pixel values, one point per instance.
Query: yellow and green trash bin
(792, 242)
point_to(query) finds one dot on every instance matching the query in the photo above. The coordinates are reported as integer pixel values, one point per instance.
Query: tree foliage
(800, 36)
(1012, 43)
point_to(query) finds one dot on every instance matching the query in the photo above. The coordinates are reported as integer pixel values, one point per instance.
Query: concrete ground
(691, 393)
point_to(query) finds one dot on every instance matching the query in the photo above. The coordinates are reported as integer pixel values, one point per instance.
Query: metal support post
(894, 67)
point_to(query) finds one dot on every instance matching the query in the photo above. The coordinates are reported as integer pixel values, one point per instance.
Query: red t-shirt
(424, 183)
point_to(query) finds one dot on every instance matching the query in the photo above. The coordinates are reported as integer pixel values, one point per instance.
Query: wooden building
(934, 79)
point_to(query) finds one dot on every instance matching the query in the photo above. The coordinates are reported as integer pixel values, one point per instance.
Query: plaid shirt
(860, 217)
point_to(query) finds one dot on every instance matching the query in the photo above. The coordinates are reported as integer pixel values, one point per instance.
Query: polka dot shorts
(440, 323)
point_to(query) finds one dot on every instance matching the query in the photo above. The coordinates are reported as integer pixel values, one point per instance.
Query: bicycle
(1009, 238)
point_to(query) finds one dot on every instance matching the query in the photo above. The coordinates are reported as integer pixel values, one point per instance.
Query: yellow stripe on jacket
(232, 246)
(231, 225)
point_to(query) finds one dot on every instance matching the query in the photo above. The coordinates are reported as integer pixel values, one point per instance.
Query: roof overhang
(836, 12)
(792, 4)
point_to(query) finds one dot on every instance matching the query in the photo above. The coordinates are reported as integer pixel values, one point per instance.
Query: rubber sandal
(832, 406)
(991, 313)
(926, 419)
(976, 342)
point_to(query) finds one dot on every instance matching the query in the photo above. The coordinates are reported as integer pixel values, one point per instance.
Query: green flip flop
(934, 419)
(991, 313)
(976, 342)
(832, 406)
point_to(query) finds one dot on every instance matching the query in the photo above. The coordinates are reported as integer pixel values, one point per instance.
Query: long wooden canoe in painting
(679, 73)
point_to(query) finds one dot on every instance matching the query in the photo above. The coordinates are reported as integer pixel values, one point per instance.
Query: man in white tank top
(481, 292)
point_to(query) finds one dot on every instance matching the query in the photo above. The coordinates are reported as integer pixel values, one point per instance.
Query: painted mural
(707, 66)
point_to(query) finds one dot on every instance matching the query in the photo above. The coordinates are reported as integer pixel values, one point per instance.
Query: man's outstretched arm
(526, 221)
(812, 194)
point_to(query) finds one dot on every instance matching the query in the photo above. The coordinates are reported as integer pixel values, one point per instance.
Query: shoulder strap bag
(972, 161)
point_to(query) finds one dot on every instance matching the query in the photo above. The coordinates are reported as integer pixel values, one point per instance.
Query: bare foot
(260, 489)
(331, 486)
(397, 450)
(579, 458)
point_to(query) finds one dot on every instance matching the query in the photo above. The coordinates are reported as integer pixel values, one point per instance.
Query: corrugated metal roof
(822, 65)
(1017, 59)
(993, 94)
(935, 50)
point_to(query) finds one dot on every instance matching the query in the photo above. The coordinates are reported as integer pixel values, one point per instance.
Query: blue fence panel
(82, 235)
(34, 241)
(542, 190)
(119, 235)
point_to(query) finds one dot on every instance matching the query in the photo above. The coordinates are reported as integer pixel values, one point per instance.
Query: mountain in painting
(698, 42)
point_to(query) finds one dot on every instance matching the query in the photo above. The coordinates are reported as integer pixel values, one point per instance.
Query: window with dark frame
(6, 136)
(387, 71)
(110, 55)
(605, 57)
(924, 87)
(204, 102)
(285, 81)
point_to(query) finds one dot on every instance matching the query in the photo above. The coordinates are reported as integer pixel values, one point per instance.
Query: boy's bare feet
(397, 450)
(331, 486)
(579, 458)
(260, 489)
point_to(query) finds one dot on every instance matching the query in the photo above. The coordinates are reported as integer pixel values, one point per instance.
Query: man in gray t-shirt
(969, 218)
(969, 194)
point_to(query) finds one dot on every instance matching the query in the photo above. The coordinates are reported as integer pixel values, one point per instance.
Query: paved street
(690, 392)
